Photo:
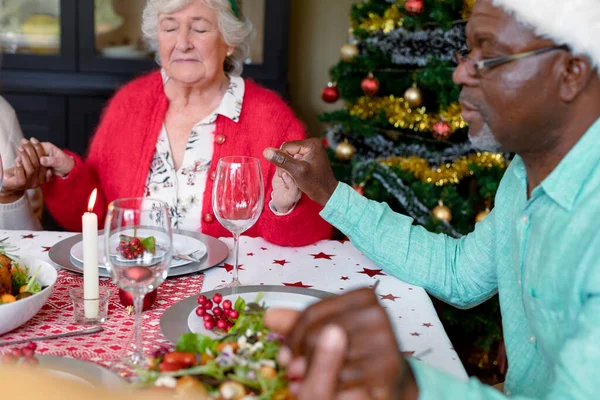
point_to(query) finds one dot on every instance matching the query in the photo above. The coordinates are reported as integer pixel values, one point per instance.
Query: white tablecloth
(332, 266)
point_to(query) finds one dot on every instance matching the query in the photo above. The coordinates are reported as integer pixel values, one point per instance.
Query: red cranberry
(221, 324)
(202, 299)
(217, 311)
(210, 325)
(200, 311)
(227, 305)
(208, 304)
(233, 315)
(217, 298)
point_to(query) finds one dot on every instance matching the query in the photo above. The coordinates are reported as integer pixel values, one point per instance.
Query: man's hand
(307, 163)
(368, 366)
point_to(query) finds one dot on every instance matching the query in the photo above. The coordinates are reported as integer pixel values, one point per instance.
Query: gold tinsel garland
(400, 115)
(392, 18)
(467, 8)
(447, 174)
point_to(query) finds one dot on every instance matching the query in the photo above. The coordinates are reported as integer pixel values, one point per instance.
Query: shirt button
(209, 218)
(532, 339)
(219, 138)
(525, 219)
(213, 175)
(519, 282)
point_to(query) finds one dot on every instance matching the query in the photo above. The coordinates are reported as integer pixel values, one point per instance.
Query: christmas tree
(400, 137)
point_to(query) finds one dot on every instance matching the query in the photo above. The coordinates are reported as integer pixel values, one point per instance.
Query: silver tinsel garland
(417, 49)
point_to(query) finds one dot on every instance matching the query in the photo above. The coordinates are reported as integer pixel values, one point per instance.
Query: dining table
(332, 266)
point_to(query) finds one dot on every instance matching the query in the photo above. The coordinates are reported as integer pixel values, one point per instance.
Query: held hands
(307, 163)
(35, 165)
(285, 192)
(343, 347)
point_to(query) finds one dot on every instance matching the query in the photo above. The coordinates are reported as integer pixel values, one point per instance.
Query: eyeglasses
(475, 67)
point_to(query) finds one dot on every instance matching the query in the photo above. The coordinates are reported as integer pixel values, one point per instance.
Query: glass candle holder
(84, 310)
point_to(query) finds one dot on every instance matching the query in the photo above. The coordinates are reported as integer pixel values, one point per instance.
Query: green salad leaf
(195, 343)
(20, 276)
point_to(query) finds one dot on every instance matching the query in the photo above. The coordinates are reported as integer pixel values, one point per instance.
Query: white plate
(183, 245)
(295, 301)
(80, 371)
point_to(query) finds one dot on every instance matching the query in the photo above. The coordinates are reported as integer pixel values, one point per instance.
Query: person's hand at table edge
(311, 171)
(343, 347)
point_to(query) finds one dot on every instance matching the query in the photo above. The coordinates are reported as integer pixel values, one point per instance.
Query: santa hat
(575, 23)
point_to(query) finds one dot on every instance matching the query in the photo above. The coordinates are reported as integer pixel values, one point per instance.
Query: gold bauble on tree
(345, 151)
(442, 213)
(413, 96)
(349, 52)
(481, 216)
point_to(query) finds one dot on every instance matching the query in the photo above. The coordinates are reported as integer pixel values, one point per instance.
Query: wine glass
(238, 199)
(138, 246)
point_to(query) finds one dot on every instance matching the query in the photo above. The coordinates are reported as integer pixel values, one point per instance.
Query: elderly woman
(163, 134)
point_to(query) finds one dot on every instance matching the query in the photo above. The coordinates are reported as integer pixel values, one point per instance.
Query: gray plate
(81, 371)
(217, 252)
(174, 321)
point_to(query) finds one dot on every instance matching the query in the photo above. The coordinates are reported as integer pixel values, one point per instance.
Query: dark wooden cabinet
(60, 97)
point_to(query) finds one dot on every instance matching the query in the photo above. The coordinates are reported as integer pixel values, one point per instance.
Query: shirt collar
(231, 104)
(565, 182)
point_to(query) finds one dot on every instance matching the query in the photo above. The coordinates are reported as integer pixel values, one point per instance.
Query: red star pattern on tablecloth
(322, 255)
(415, 334)
(345, 278)
(371, 272)
(427, 325)
(297, 284)
(46, 248)
(389, 297)
(281, 262)
(30, 236)
(263, 248)
(229, 267)
(250, 254)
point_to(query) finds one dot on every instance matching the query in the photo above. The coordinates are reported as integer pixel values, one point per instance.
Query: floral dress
(183, 189)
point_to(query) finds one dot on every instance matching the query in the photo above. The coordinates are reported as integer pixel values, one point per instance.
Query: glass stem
(236, 251)
(138, 347)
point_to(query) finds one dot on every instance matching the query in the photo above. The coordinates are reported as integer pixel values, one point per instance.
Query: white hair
(236, 32)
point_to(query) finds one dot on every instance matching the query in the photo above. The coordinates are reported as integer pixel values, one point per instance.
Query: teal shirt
(541, 255)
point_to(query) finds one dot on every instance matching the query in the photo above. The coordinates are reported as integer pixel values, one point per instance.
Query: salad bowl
(17, 313)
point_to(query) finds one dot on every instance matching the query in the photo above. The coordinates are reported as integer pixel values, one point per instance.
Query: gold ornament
(392, 18)
(414, 96)
(467, 8)
(401, 115)
(349, 52)
(345, 151)
(442, 213)
(447, 174)
(481, 216)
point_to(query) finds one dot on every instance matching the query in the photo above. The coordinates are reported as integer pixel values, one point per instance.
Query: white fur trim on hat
(575, 23)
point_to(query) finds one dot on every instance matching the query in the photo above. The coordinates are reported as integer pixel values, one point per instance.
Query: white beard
(485, 140)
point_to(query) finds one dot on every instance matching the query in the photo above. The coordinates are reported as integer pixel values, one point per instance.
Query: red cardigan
(121, 151)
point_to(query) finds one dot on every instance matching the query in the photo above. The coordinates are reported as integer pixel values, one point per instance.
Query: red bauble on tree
(331, 94)
(442, 130)
(414, 7)
(370, 85)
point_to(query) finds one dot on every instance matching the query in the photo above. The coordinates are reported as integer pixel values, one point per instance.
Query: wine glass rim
(116, 204)
(239, 159)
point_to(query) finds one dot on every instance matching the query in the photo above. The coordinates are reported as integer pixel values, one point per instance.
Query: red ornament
(331, 94)
(360, 189)
(370, 85)
(442, 130)
(126, 299)
(414, 7)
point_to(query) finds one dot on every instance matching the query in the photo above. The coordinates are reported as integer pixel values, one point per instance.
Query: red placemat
(108, 346)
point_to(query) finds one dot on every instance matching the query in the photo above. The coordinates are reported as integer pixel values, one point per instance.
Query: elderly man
(530, 86)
